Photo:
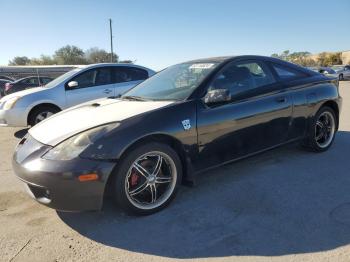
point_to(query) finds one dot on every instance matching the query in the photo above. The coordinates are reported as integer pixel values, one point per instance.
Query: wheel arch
(169, 140)
(332, 104)
(41, 105)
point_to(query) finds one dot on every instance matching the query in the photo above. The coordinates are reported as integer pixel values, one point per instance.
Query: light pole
(111, 35)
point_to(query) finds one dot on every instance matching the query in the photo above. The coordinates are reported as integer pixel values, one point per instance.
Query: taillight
(7, 86)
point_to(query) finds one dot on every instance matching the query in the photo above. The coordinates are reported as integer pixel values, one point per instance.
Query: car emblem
(186, 124)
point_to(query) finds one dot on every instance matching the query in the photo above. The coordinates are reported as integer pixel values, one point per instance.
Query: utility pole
(111, 35)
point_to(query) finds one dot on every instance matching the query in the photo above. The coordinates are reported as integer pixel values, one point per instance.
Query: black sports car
(185, 119)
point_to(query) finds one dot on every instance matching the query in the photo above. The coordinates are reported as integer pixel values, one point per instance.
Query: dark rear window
(127, 74)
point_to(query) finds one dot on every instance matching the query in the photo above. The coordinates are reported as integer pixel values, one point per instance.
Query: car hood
(88, 115)
(22, 93)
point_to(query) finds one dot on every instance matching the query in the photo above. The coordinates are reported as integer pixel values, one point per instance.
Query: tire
(320, 136)
(141, 193)
(341, 77)
(41, 113)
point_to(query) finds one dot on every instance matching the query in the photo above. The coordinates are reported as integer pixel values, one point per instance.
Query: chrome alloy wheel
(151, 180)
(43, 115)
(324, 129)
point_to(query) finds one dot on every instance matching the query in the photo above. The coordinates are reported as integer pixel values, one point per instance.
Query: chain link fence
(17, 72)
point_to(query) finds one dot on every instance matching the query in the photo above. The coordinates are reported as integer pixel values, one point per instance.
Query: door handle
(281, 99)
(107, 91)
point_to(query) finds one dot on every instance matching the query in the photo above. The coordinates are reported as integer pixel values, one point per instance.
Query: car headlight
(10, 103)
(74, 146)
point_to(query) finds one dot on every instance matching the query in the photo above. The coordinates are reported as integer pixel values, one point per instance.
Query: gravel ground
(282, 205)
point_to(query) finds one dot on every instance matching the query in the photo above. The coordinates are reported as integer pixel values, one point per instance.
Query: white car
(82, 84)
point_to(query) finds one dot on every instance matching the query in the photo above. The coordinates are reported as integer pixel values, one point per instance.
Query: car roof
(221, 59)
(218, 59)
(115, 64)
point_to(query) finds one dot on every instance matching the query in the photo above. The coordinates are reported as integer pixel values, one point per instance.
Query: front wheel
(147, 179)
(41, 113)
(322, 130)
(341, 77)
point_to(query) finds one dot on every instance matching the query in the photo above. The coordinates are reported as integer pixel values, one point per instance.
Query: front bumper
(55, 183)
(15, 117)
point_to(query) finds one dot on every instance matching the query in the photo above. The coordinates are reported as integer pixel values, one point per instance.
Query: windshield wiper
(134, 98)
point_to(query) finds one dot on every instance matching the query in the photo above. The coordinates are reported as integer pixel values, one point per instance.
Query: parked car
(2, 86)
(26, 83)
(342, 71)
(29, 107)
(10, 79)
(328, 72)
(185, 119)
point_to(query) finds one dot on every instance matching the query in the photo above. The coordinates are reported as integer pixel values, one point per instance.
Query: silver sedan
(82, 84)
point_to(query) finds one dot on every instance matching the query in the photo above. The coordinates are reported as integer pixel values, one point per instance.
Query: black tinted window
(103, 76)
(240, 77)
(93, 77)
(287, 73)
(45, 80)
(30, 81)
(127, 74)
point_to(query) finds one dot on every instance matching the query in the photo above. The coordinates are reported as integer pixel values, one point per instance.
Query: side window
(86, 79)
(287, 73)
(244, 76)
(45, 80)
(126, 74)
(30, 81)
(103, 76)
(93, 77)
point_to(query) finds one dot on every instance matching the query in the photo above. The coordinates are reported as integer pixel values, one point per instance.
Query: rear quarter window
(286, 73)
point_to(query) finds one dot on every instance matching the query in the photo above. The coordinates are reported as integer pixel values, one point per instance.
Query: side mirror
(73, 84)
(217, 96)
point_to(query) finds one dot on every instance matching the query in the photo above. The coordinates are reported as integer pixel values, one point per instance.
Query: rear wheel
(322, 130)
(147, 179)
(341, 77)
(41, 113)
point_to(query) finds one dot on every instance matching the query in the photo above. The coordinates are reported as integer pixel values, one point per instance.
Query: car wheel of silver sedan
(147, 179)
(41, 113)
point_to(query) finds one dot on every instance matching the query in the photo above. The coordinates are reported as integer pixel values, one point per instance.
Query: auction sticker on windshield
(201, 66)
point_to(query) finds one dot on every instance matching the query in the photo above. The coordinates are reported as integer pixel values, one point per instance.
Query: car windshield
(173, 83)
(61, 78)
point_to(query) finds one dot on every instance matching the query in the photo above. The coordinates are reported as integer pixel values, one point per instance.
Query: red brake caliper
(134, 178)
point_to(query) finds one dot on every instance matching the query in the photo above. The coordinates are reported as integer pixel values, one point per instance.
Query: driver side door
(92, 84)
(256, 117)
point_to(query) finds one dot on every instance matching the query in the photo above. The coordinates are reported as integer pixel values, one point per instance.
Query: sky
(159, 33)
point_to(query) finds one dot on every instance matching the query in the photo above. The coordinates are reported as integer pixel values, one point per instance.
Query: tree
(126, 62)
(328, 59)
(96, 55)
(301, 58)
(70, 55)
(19, 60)
(43, 60)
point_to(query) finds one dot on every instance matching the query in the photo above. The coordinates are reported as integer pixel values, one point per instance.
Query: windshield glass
(173, 83)
(61, 78)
